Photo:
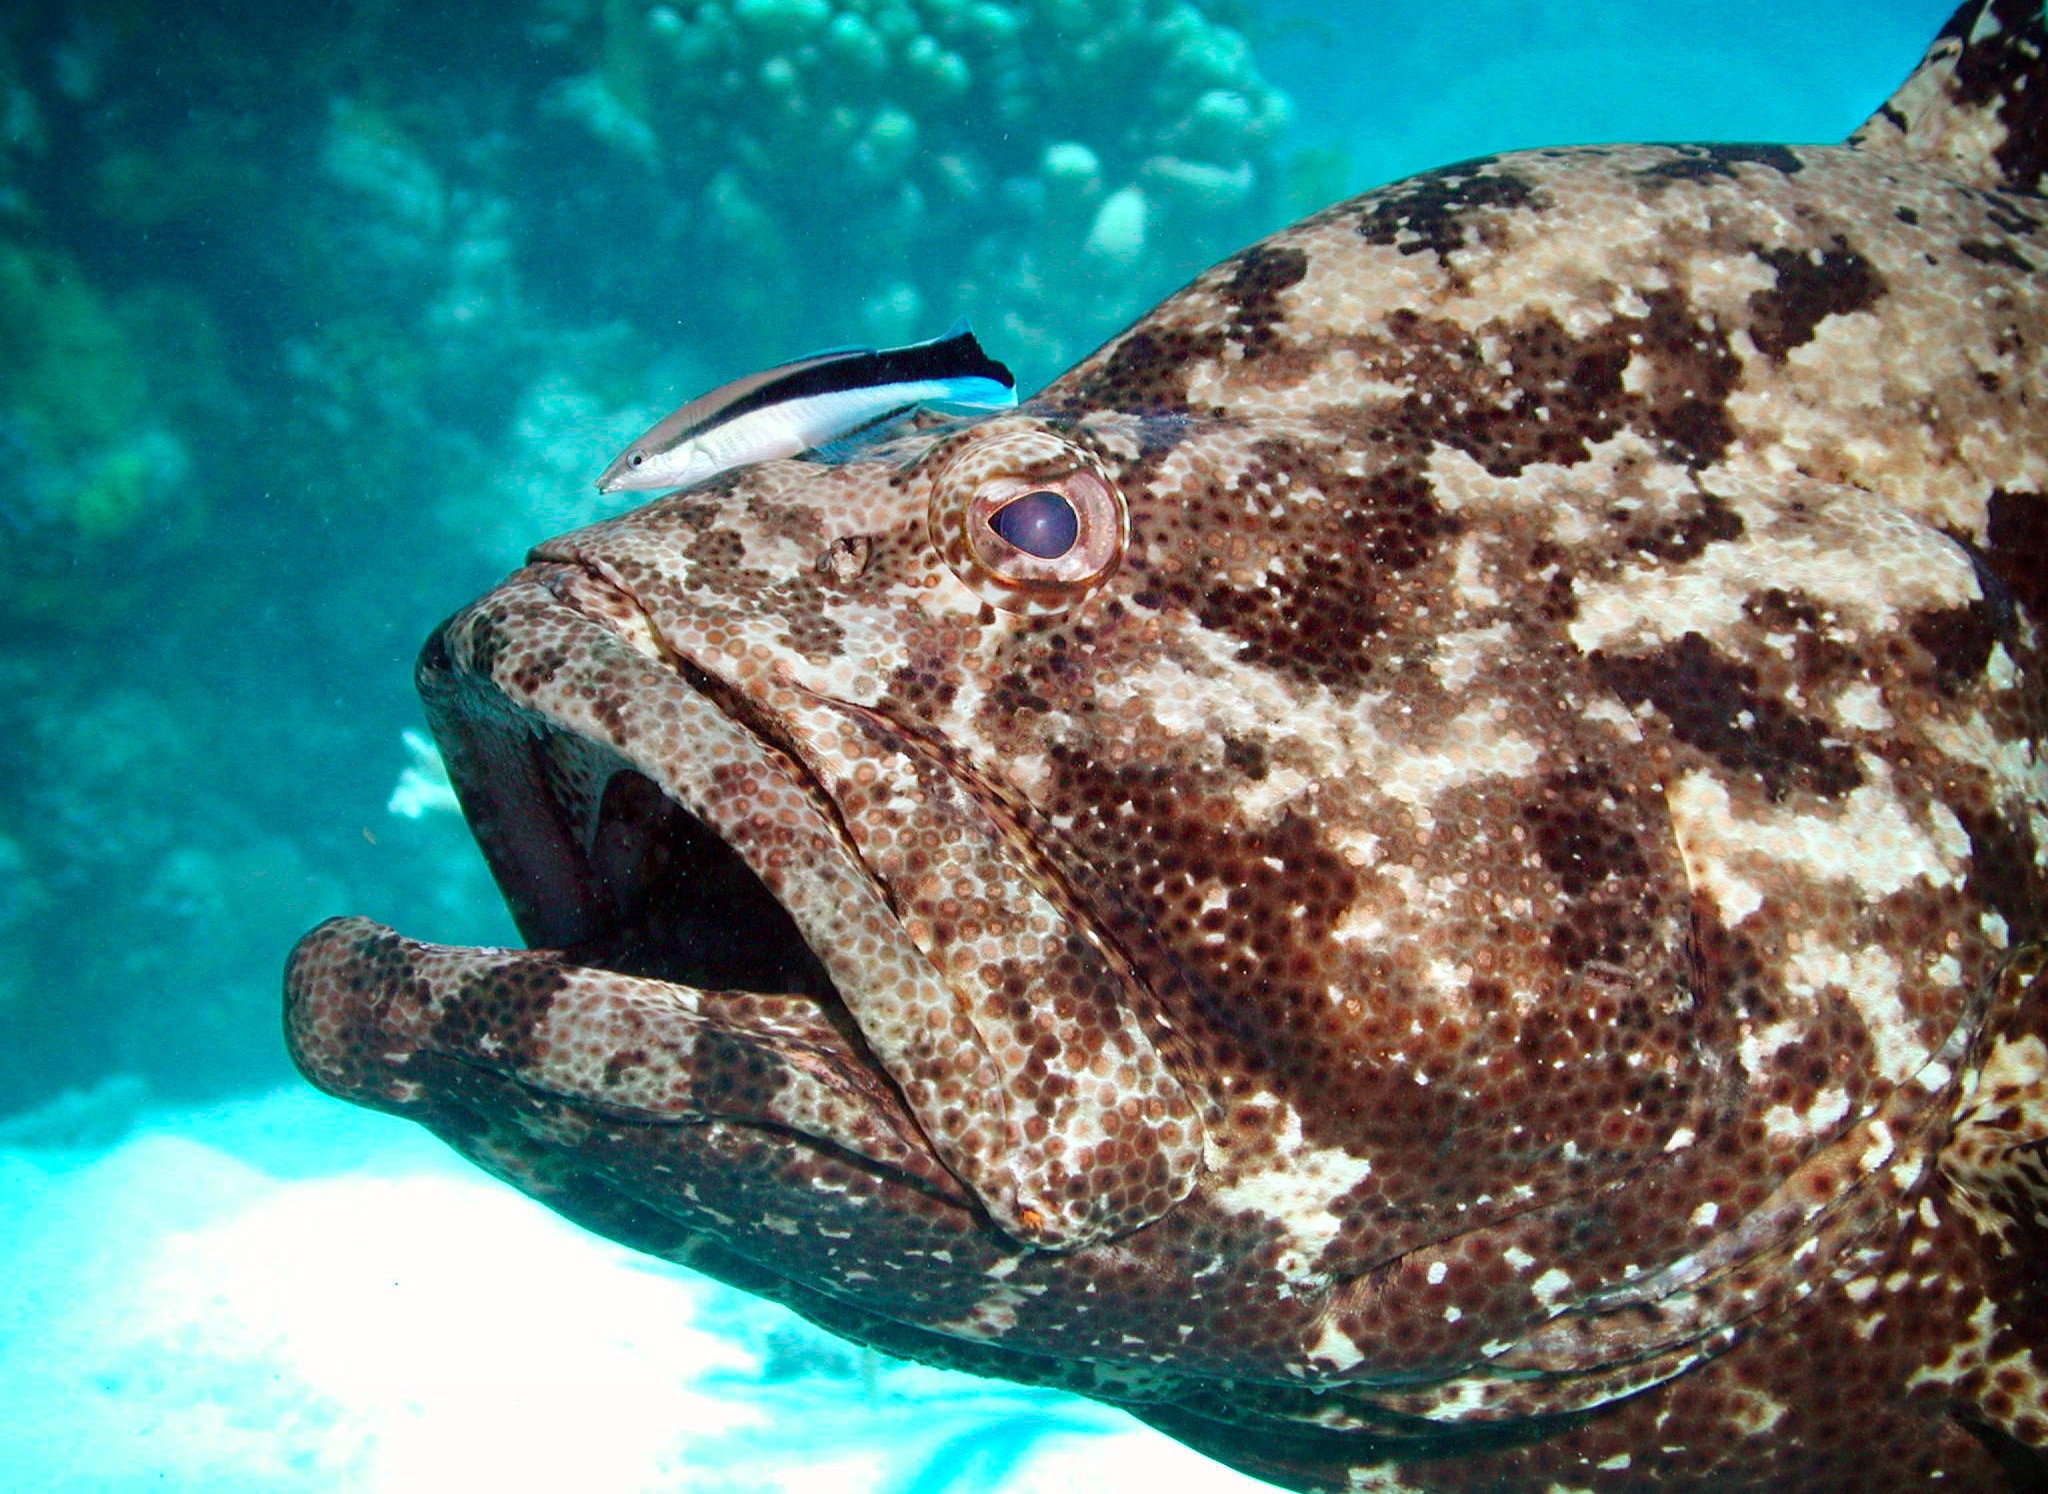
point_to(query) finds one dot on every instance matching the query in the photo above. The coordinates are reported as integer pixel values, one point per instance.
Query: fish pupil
(1042, 524)
(636, 459)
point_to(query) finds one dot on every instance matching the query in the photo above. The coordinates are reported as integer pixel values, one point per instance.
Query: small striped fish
(808, 404)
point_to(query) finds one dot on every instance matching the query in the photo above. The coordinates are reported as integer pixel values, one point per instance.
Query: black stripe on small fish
(842, 375)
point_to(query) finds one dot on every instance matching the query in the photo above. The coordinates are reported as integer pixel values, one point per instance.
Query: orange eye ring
(1025, 517)
(1073, 538)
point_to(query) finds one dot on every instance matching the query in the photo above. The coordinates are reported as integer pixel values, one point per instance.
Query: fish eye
(1041, 523)
(1037, 544)
(1024, 516)
(636, 458)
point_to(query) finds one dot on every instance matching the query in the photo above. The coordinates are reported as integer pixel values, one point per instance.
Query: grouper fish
(1428, 871)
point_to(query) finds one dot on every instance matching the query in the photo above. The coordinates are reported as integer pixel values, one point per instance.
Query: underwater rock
(1118, 232)
(91, 1118)
(392, 182)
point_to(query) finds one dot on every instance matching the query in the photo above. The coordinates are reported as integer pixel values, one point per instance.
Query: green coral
(95, 480)
(1057, 163)
(65, 364)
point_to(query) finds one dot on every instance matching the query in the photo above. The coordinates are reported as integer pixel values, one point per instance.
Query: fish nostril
(846, 558)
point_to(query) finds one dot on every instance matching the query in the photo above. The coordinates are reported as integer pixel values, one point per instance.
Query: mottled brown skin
(1482, 931)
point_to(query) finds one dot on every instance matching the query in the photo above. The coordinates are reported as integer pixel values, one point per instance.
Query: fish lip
(453, 1037)
(706, 924)
(550, 806)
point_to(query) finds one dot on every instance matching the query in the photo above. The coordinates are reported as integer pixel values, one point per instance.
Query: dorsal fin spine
(1976, 108)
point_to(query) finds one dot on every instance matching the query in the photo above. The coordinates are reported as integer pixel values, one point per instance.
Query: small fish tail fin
(1976, 108)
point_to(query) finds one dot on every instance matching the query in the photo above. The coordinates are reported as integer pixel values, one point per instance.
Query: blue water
(311, 320)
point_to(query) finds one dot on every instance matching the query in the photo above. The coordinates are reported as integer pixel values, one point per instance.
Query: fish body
(1430, 871)
(807, 404)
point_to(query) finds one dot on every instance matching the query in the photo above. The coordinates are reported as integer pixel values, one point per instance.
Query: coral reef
(1049, 166)
(95, 482)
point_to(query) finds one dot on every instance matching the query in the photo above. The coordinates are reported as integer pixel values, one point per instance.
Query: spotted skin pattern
(1487, 935)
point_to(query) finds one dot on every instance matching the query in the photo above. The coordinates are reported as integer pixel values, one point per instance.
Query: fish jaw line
(611, 778)
(592, 760)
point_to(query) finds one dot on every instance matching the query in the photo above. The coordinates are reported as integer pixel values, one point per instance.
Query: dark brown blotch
(1313, 623)
(1710, 521)
(2016, 545)
(1251, 967)
(1315, 615)
(1583, 824)
(1549, 566)
(1693, 371)
(1693, 163)
(1429, 213)
(2000, 253)
(733, 1077)
(1562, 395)
(1558, 395)
(800, 604)
(1246, 756)
(2002, 869)
(504, 1004)
(1147, 373)
(2005, 215)
(1818, 656)
(1258, 276)
(1995, 70)
(1958, 642)
(357, 1056)
(1715, 704)
(1813, 284)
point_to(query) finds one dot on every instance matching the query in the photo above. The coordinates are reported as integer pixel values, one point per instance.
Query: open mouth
(669, 978)
(666, 898)
(719, 929)
(678, 904)
(598, 863)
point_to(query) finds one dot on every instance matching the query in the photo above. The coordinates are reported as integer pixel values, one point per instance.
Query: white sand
(288, 1294)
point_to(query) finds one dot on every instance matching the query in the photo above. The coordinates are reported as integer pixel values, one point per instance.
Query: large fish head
(1063, 844)
(726, 757)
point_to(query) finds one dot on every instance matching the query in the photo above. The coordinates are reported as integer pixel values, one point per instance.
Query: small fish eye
(636, 459)
(1041, 523)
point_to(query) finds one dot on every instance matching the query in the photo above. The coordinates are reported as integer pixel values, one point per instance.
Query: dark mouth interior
(676, 903)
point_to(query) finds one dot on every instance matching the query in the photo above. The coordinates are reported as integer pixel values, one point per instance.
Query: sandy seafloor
(284, 1294)
(281, 1293)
